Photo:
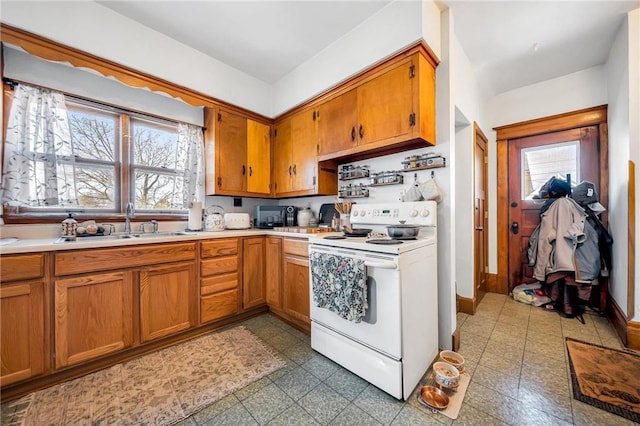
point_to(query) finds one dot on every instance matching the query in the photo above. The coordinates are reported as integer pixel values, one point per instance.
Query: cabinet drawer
(222, 247)
(219, 266)
(219, 283)
(218, 305)
(297, 246)
(79, 261)
(21, 267)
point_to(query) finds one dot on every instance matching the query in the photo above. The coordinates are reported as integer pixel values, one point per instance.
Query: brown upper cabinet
(238, 154)
(390, 110)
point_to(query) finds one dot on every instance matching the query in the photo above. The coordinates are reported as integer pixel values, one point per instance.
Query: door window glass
(539, 164)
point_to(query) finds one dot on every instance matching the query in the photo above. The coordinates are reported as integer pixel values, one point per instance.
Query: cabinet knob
(361, 131)
(244, 170)
(353, 134)
(294, 169)
(250, 171)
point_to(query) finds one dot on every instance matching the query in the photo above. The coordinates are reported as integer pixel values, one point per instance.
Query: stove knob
(424, 213)
(413, 213)
(362, 213)
(355, 212)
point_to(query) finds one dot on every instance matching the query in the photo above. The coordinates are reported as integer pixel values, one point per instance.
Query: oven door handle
(382, 265)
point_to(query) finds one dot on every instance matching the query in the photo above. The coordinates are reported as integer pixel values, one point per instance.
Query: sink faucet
(127, 218)
(153, 223)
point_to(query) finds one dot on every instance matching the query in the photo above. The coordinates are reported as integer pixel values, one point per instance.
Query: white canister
(304, 217)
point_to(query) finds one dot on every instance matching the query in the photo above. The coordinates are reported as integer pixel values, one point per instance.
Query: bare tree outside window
(93, 135)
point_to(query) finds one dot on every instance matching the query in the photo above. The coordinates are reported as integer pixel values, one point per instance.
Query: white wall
(468, 104)
(579, 90)
(634, 132)
(617, 69)
(623, 86)
(375, 39)
(93, 28)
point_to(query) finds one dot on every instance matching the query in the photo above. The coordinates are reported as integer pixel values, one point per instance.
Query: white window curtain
(190, 159)
(39, 162)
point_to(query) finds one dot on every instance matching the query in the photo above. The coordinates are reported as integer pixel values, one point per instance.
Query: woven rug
(605, 378)
(160, 388)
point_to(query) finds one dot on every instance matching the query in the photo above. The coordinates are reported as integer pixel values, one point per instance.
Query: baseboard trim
(467, 305)
(628, 331)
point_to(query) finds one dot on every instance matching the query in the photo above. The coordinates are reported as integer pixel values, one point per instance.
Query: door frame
(585, 117)
(480, 138)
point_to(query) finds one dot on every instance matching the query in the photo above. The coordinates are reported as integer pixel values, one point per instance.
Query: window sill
(45, 218)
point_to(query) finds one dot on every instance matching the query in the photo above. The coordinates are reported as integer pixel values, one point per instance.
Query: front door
(531, 162)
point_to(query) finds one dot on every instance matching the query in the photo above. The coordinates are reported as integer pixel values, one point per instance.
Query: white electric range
(397, 339)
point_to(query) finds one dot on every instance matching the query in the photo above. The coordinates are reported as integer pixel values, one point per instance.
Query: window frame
(123, 171)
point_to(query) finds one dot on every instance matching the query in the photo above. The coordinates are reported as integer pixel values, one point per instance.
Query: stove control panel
(423, 213)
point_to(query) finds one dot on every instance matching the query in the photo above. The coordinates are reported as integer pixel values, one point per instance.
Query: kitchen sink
(65, 240)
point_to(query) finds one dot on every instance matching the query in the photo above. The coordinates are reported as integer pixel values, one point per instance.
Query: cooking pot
(214, 221)
(403, 232)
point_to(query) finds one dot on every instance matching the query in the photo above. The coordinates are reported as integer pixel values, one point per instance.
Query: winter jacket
(566, 243)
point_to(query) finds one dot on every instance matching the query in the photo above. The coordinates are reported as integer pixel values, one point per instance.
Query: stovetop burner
(335, 237)
(384, 242)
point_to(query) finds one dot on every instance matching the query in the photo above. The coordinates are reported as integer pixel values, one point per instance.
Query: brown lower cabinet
(288, 279)
(22, 317)
(93, 316)
(67, 313)
(166, 299)
(220, 279)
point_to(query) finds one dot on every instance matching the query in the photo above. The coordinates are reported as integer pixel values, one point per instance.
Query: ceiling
(509, 43)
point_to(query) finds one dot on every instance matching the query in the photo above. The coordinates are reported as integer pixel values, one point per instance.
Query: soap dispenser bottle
(69, 227)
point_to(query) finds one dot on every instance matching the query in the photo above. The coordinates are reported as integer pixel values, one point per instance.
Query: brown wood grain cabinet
(237, 152)
(95, 291)
(295, 283)
(166, 300)
(22, 317)
(392, 109)
(253, 272)
(93, 316)
(296, 167)
(273, 265)
(337, 120)
(220, 279)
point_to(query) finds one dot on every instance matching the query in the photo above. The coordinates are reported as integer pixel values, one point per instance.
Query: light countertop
(30, 245)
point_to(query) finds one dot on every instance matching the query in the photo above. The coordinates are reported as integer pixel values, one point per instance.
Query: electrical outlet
(237, 202)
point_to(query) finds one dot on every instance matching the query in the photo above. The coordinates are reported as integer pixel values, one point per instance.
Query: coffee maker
(290, 215)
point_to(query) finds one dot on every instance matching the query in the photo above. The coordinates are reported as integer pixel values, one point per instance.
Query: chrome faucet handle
(112, 228)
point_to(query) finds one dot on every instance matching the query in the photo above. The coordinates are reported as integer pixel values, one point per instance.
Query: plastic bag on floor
(530, 294)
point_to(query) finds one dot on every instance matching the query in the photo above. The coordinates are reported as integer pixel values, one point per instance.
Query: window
(541, 163)
(90, 158)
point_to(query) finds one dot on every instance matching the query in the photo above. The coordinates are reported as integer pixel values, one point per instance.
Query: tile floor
(515, 354)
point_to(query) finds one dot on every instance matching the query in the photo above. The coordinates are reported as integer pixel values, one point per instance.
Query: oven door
(380, 329)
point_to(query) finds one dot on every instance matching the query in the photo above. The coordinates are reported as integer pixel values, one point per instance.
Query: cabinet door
(304, 151)
(385, 105)
(93, 316)
(274, 267)
(295, 288)
(231, 153)
(21, 331)
(166, 297)
(253, 277)
(337, 120)
(258, 158)
(283, 168)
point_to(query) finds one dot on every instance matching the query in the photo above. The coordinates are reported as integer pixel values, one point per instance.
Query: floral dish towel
(339, 284)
